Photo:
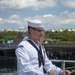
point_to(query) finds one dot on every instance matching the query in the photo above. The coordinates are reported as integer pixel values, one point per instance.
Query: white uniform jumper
(27, 57)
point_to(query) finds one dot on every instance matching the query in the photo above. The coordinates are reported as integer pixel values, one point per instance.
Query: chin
(37, 39)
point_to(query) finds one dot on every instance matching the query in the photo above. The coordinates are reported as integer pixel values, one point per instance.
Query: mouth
(40, 36)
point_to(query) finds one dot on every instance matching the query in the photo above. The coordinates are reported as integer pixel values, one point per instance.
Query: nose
(42, 33)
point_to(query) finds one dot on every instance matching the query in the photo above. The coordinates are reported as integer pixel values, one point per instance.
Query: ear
(31, 30)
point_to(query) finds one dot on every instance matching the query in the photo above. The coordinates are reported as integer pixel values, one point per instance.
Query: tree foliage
(60, 37)
(10, 35)
(65, 36)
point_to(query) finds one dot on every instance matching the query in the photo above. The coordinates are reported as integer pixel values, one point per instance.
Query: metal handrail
(63, 62)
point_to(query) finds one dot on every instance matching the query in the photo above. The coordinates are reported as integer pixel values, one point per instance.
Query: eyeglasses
(43, 31)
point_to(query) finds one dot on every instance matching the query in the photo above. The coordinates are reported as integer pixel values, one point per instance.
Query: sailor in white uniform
(31, 57)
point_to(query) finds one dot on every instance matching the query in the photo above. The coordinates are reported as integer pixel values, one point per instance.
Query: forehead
(39, 28)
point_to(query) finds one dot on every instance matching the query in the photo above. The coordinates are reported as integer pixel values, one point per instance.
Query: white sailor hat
(35, 23)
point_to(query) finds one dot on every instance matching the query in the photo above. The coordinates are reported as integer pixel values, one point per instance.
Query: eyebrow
(38, 29)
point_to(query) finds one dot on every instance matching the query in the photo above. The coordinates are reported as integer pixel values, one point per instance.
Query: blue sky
(55, 14)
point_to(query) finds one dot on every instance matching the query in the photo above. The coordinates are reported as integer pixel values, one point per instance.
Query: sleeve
(49, 67)
(24, 62)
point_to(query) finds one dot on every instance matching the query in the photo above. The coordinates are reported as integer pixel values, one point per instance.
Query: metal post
(63, 65)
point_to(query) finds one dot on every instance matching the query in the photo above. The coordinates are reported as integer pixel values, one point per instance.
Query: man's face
(37, 33)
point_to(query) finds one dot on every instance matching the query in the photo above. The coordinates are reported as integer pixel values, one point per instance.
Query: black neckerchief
(40, 56)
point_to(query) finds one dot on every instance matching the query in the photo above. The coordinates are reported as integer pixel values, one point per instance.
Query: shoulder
(23, 43)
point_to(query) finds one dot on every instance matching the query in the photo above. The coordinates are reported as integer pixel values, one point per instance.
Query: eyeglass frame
(38, 30)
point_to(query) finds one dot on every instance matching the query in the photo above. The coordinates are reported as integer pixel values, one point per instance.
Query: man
(42, 40)
(31, 57)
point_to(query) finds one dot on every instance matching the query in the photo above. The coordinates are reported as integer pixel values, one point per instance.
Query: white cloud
(13, 19)
(63, 19)
(1, 21)
(65, 12)
(48, 15)
(14, 16)
(66, 22)
(68, 3)
(67, 18)
(20, 4)
(71, 15)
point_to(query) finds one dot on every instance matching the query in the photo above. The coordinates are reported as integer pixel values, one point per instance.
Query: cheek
(37, 35)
